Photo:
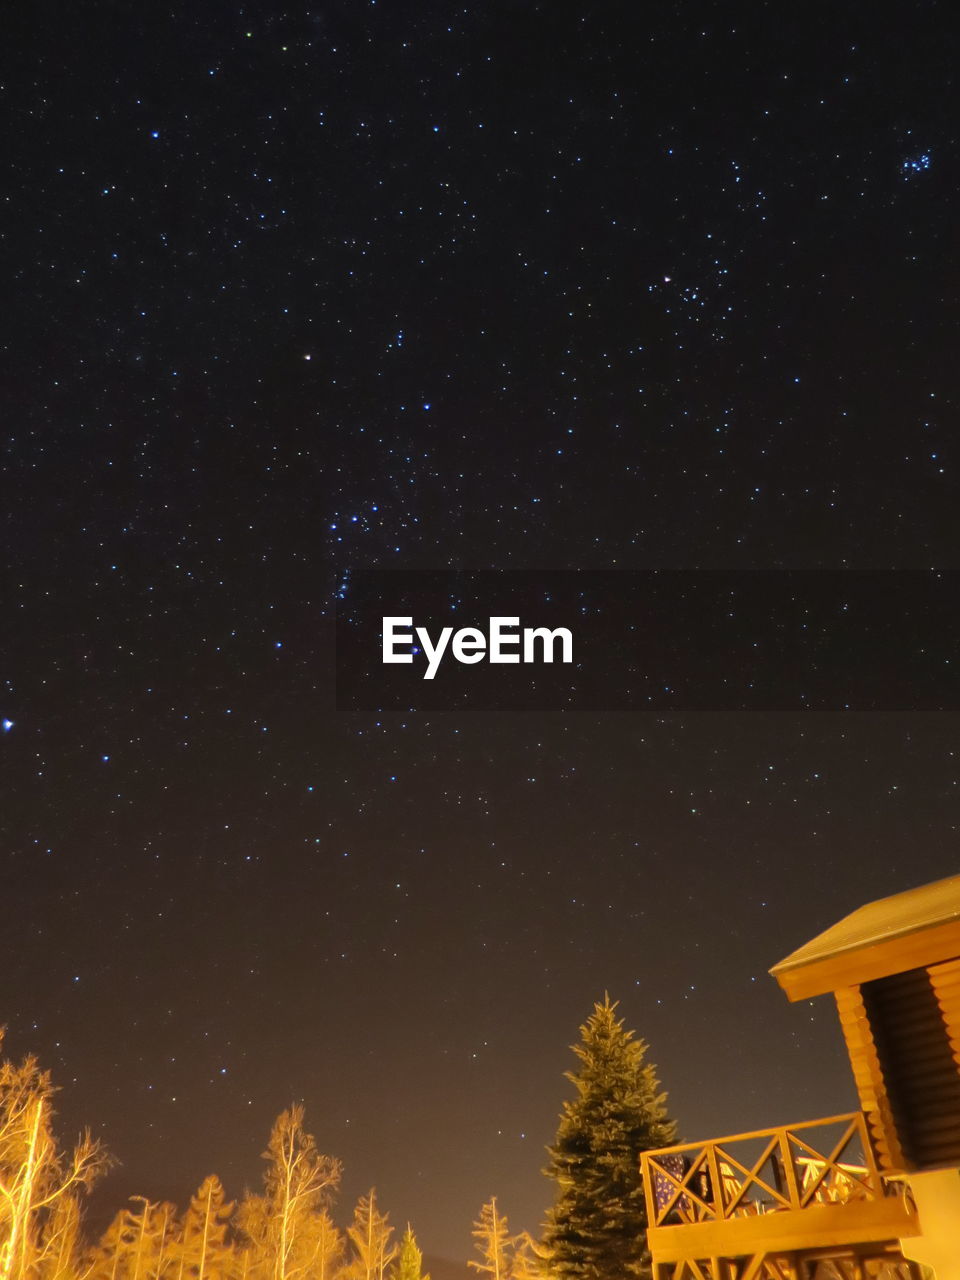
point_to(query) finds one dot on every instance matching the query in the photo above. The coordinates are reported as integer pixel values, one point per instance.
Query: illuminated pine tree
(59, 1255)
(369, 1234)
(596, 1229)
(108, 1255)
(329, 1244)
(165, 1227)
(298, 1183)
(494, 1244)
(139, 1244)
(320, 1247)
(203, 1251)
(141, 1239)
(528, 1261)
(35, 1175)
(409, 1259)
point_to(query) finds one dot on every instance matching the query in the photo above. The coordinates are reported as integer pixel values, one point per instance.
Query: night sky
(293, 292)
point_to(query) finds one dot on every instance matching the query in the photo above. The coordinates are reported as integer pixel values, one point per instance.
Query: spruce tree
(409, 1265)
(596, 1229)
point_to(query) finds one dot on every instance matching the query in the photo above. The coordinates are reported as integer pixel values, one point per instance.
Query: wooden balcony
(737, 1205)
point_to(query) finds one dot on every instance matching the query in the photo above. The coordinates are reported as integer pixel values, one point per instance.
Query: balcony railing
(789, 1168)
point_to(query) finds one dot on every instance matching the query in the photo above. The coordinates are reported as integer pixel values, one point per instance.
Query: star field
(298, 291)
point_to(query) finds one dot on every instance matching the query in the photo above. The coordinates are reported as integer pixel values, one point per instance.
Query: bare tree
(35, 1176)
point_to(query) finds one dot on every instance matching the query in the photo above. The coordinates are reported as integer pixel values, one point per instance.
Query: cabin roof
(891, 935)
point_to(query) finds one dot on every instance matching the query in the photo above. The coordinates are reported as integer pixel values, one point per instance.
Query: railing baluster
(789, 1169)
(646, 1172)
(716, 1182)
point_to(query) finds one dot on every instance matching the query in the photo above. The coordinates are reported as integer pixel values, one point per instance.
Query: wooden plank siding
(945, 980)
(918, 1065)
(868, 1077)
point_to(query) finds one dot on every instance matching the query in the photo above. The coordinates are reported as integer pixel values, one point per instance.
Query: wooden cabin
(872, 1194)
(894, 969)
